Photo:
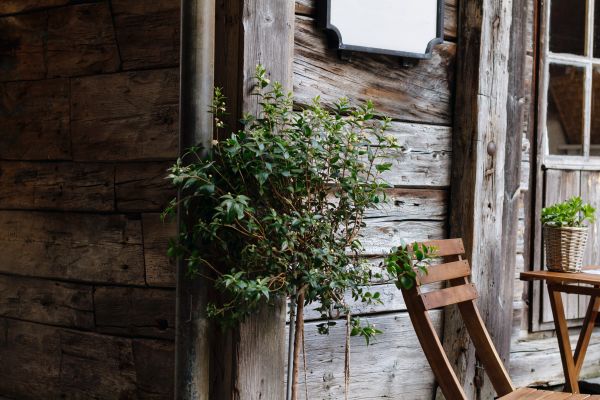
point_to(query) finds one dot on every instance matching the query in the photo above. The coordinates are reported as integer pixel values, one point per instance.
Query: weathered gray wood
(47, 302)
(425, 157)
(160, 270)
(138, 312)
(22, 52)
(81, 41)
(147, 32)
(62, 363)
(478, 178)
(535, 360)
(373, 376)
(57, 186)
(77, 247)
(17, 6)
(379, 236)
(125, 116)
(419, 94)
(308, 8)
(143, 187)
(35, 120)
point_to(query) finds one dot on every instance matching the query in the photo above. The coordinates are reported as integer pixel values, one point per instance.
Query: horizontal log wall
(420, 102)
(88, 126)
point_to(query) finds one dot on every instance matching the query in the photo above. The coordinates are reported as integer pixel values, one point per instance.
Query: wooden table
(564, 282)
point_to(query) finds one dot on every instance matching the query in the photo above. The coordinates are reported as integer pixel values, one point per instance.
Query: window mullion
(589, 52)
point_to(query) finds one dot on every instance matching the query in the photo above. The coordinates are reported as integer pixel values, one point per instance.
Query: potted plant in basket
(565, 234)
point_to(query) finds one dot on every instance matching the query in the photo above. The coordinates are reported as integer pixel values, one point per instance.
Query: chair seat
(534, 394)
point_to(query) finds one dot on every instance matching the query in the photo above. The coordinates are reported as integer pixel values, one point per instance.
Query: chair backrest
(461, 292)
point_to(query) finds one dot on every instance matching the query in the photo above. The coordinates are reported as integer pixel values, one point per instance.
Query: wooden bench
(461, 292)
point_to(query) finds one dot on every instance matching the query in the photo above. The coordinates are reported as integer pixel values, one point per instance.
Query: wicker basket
(565, 248)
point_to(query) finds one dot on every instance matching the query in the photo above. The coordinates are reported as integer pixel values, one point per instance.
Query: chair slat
(451, 295)
(445, 272)
(447, 247)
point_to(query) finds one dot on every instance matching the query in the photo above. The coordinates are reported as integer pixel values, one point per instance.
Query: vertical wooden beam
(250, 364)
(192, 354)
(486, 170)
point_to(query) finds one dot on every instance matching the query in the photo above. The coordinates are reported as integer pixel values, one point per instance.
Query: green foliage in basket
(276, 209)
(572, 213)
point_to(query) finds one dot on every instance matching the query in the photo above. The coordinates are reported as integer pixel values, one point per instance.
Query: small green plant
(572, 213)
(405, 262)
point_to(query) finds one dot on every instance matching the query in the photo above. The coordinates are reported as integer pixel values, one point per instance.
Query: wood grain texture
(372, 376)
(535, 359)
(479, 181)
(379, 236)
(81, 41)
(47, 302)
(57, 186)
(160, 269)
(17, 6)
(138, 312)
(147, 32)
(35, 120)
(125, 116)
(143, 187)
(308, 8)
(419, 94)
(62, 363)
(77, 247)
(22, 49)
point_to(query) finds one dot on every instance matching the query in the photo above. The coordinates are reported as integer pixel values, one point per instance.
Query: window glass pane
(567, 26)
(595, 132)
(565, 109)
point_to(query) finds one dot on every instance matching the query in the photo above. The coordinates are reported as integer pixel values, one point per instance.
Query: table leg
(562, 334)
(586, 332)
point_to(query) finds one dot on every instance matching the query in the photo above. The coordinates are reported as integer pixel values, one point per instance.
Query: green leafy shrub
(571, 213)
(405, 262)
(277, 208)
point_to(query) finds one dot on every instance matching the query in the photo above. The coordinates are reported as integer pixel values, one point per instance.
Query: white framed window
(569, 110)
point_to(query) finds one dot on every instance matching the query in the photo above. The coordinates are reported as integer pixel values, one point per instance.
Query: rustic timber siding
(88, 125)
(420, 101)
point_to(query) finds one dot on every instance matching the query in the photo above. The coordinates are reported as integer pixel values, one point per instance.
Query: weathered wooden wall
(88, 125)
(535, 358)
(420, 101)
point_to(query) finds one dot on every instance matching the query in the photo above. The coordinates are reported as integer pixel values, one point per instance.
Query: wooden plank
(451, 295)
(138, 312)
(479, 178)
(535, 359)
(447, 247)
(56, 186)
(81, 41)
(444, 272)
(160, 269)
(425, 158)
(411, 204)
(147, 32)
(377, 371)
(17, 6)
(379, 236)
(78, 247)
(22, 51)
(125, 116)
(419, 94)
(63, 363)
(154, 383)
(308, 8)
(35, 120)
(47, 302)
(143, 187)
(560, 186)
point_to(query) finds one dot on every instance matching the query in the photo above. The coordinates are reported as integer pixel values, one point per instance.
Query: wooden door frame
(487, 139)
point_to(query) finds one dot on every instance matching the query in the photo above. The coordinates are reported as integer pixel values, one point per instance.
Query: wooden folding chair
(462, 293)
